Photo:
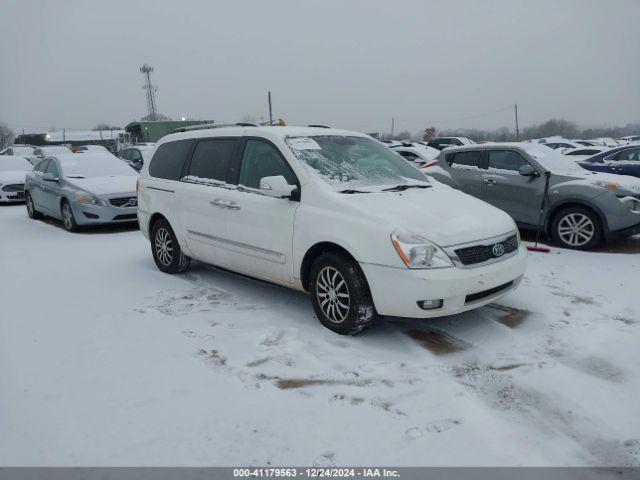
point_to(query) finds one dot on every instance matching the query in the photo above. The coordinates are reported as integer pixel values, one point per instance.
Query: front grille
(124, 202)
(14, 187)
(486, 293)
(130, 216)
(482, 253)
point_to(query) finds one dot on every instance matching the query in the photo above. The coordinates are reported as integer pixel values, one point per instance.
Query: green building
(144, 131)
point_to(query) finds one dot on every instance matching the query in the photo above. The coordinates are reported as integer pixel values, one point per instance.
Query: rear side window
(214, 159)
(465, 159)
(169, 159)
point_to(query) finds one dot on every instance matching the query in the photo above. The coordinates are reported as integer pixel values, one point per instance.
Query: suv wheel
(165, 249)
(577, 228)
(31, 208)
(68, 219)
(340, 294)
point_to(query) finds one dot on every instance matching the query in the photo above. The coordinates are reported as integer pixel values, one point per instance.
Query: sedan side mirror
(528, 171)
(49, 177)
(276, 186)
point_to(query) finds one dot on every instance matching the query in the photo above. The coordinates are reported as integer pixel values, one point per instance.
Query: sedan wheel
(333, 295)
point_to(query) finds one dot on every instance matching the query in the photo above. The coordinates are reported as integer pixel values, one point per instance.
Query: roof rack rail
(206, 126)
(318, 126)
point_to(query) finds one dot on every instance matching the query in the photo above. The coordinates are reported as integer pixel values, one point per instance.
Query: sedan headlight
(87, 198)
(418, 252)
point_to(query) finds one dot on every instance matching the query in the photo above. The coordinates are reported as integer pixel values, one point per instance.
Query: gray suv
(543, 190)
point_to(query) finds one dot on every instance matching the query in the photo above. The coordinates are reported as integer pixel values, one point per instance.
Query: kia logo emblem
(498, 250)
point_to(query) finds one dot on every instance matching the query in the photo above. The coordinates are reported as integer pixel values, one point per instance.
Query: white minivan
(330, 212)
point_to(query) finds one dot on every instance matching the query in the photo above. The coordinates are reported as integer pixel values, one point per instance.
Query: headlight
(87, 198)
(417, 252)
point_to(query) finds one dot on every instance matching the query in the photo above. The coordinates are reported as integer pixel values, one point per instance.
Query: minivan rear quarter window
(169, 159)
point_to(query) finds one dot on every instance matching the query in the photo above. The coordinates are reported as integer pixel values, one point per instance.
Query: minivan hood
(441, 214)
(105, 185)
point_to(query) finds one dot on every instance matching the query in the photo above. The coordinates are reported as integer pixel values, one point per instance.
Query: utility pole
(393, 121)
(151, 89)
(517, 128)
(270, 112)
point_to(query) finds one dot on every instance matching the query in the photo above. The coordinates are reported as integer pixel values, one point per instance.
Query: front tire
(31, 208)
(577, 228)
(165, 249)
(68, 220)
(340, 294)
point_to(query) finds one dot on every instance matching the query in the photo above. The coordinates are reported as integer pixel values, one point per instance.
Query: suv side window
(465, 159)
(261, 159)
(214, 159)
(506, 160)
(169, 159)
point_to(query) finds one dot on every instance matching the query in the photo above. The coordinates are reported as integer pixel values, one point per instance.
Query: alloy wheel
(333, 294)
(576, 229)
(164, 246)
(67, 216)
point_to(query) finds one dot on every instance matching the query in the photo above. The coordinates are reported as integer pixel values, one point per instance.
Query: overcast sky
(350, 64)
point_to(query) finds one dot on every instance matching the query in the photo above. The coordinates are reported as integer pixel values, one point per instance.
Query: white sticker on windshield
(304, 143)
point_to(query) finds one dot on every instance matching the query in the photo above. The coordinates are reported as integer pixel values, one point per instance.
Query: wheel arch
(313, 253)
(556, 208)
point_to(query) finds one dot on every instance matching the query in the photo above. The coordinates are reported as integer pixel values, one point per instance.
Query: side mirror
(49, 177)
(528, 171)
(276, 186)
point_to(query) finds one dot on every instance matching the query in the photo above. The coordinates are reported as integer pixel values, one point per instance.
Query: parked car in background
(40, 152)
(581, 153)
(136, 155)
(441, 143)
(330, 212)
(621, 161)
(13, 170)
(416, 153)
(82, 189)
(581, 208)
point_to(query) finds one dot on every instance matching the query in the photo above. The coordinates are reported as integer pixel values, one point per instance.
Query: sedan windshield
(8, 163)
(352, 163)
(95, 167)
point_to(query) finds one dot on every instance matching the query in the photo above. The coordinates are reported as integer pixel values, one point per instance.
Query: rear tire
(68, 220)
(31, 208)
(577, 227)
(165, 249)
(340, 294)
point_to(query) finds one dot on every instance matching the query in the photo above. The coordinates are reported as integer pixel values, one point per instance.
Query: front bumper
(397, 291)
(11, 197)
(88, 214)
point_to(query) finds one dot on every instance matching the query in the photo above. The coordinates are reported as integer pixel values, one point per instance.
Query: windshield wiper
(351, 191)
(400, 188)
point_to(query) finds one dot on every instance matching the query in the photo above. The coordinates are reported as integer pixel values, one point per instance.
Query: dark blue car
(621, 160)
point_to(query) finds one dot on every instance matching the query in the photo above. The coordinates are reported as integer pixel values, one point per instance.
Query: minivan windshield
(351, 163)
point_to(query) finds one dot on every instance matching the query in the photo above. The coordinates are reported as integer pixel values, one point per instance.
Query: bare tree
(6, 135)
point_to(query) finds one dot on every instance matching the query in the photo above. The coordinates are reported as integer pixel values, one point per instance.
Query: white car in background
(13, 170)
(329, 212)
(40, 152)
(416, 153)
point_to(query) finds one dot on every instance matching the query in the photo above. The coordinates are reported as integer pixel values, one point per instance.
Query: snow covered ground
(106, 361)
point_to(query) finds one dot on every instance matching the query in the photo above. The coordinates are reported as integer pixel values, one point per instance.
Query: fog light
(430, 304)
